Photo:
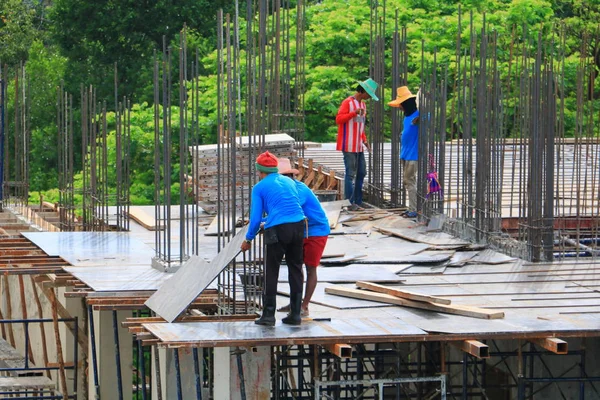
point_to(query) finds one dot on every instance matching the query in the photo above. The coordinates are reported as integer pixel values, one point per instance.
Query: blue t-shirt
(410, 139)
(318, 224)
(277, 197)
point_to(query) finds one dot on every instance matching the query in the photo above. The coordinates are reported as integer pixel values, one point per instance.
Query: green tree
(17, 31)
(95, 35)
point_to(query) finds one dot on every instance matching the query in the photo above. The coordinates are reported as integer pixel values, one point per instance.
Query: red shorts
(313, 250)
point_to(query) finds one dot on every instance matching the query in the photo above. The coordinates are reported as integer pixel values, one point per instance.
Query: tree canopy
(79, 42)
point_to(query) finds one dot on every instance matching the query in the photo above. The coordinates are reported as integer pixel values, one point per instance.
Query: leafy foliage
(82, 40)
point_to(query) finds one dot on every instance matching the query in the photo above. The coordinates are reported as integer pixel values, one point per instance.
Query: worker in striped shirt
(352, 140)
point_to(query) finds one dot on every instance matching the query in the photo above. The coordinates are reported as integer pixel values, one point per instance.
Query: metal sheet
(93, 248)
(219, 334)
(191, 279)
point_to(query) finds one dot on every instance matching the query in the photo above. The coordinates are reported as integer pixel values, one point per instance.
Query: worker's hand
(360, 112)
(245, 245)
(368, 146)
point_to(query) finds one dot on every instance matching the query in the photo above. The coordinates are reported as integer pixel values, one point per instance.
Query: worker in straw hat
(277, 197)
(409, 152)
(316, 236)
(352, 140)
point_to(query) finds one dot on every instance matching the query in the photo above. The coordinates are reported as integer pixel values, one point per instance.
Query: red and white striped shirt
(351, 126)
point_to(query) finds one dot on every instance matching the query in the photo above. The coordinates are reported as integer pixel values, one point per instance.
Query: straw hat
(285, 167)
(402, 94)
(370, 87)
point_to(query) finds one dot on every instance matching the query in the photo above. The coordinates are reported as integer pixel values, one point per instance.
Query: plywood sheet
(220, 334)
(349, 274)
(191, 279)
(491, 257)
(93, 248)
(428, 238)
(333, 210)
(120, 277)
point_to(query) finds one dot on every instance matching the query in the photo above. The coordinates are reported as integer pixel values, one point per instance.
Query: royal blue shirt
(318, 224)
(277, 197)
(410, 139)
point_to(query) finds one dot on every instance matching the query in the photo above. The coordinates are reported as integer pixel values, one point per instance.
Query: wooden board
(405, 294)
(386, 298)
(143, 218)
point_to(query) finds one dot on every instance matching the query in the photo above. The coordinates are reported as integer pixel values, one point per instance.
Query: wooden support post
(310, 173)
(320, 179)
(555, 345)
(62, 311)
(36, 297)
(331, 182)
(59, 350)
(8, 315)
(301, 171)
(473, 347)
(339, 350)
(29, 350)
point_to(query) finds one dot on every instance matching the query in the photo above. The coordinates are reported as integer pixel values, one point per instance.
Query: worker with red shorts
(316, 237)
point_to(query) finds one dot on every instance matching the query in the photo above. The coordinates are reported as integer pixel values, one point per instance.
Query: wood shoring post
(339, 350)
(62, 311)
(311, 173)
(555, 345)
(316, 365)
(59, 350)
(29, 350)
(11, 333)
(301, 171)
(473, 347)
(36, 297)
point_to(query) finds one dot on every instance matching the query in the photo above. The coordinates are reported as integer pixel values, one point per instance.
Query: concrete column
(222, 373)
(168, 374)
(105, 353)
(76, 308)
(256, 365)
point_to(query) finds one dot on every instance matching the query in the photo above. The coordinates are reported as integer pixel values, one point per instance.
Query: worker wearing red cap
(276, 197)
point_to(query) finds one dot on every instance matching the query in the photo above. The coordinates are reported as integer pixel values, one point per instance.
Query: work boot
(268, 315)
(294, 318)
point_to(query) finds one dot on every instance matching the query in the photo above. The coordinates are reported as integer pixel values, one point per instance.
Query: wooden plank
(339, 350)
(473, 347)
(474, 312)
(401, 293)
(555, 345)
(143, 218)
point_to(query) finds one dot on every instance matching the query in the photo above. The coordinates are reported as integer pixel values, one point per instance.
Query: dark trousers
(356, 170)
(290, 242)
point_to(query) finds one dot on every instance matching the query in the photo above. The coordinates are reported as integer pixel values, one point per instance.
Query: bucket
(326, 195)
(252, 282)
